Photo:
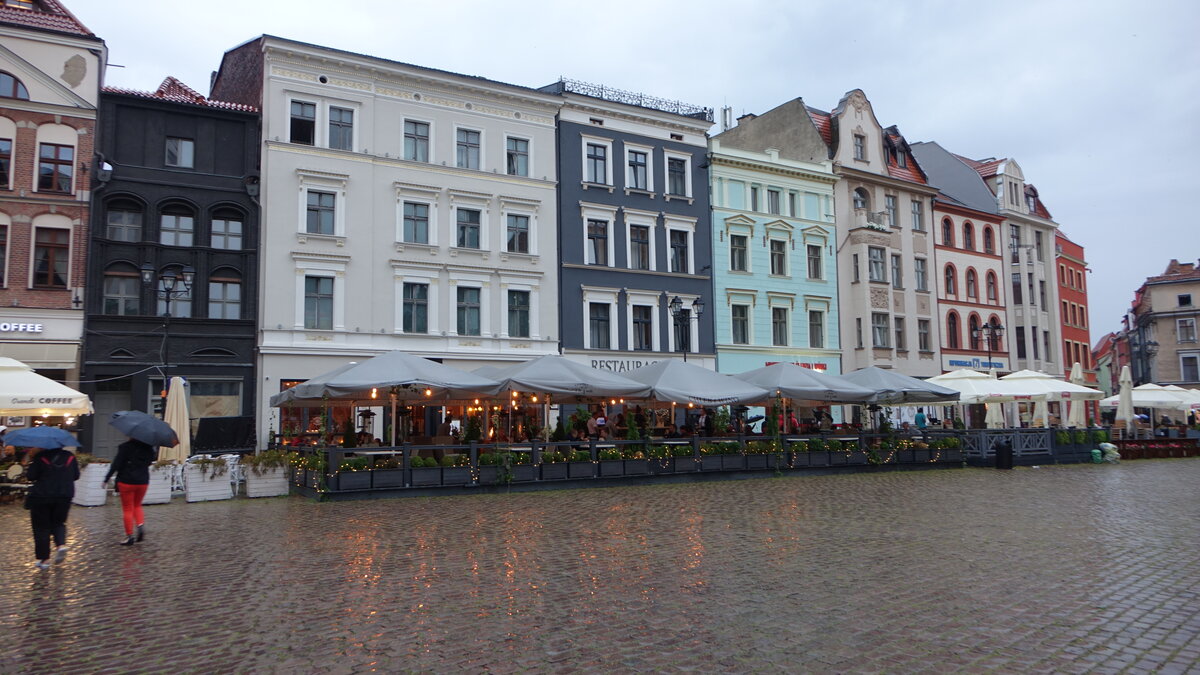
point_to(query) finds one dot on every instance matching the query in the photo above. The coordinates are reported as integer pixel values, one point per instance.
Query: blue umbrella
(145, 428)
(41, 437)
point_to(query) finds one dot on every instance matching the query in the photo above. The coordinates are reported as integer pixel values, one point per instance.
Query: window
(1187, 329)
(1016, 288)
(518, 233)
(860, 146)
(880, 330)
(468, 311)
(875, 264)
(416, 141)
(518, 314)
(814, 262)
(952, 336)
(897, 272)
(792, 205)
(1032, 298)
(122, 291)
(854, 263)
(816, 329)
(969, 236)
(779, 326)
(639, 247)
(861, 200)
(989, 240)
(992, 291)
(416, 308)
(683, 331)
(753, 198)
(737, 252)
(973, 332)
(778, 257)
(889, 206)
(3, 253)
(1014, 242)
(972, 284)
(124, 222)
(677, 176)
(11, 87)
(181, 152)
(679, 252)
(341, 128)
(638, 170)
(598, 323)
(597, 250)
(181, 302)
(56, 168)
(176, 228)
(643, 328)
(1074, 314)
(1066, 312)
(858, 332)
(416, 223)
(226, 231)
(1021, 348)
(918, 215)
(923, 335)
(597, 164)
(517, 157)
(467, 156)
(1189, 367)
(5, 162)
(468, 221)
(920, 273)
(951, 284)
(1042, 293)
(224, 297)
(1037, 244)
(320, 212)
(947, 232)
(773, 202)
(303, 128)
(740, 318)
(901, 159)
(1184, 299)
(898, 323)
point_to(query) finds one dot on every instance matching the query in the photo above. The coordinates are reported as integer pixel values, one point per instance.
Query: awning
(42, 355)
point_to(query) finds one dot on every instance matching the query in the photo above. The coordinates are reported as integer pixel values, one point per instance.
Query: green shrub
(681, 450)
(487, 459)
(1062, 437)
(416, 462)
(798, 446)
(609, 454)
(552, 457)
(581, 456)
(388, 463)
(817, 445)
(1079, 437)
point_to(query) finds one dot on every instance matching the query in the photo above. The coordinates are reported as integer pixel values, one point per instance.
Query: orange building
(1071, 268)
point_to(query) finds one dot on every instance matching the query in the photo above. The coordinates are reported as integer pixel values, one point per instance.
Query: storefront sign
(811, 366)
(6, 327)
(972, 362)
(620, 365)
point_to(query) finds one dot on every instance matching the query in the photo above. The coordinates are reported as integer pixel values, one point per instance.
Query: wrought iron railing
(634, 98)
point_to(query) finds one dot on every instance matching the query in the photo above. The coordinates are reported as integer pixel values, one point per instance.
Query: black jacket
(53, 474)
(132, 464)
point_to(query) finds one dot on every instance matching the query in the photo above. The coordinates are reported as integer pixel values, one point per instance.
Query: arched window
(997, 338)
(989, 240)
(227, 230)
(122, 290)
(992, 292)
(952, 337)
(969, 236)
(124, 218)
(951, 285)
(972, 284)
(861, 200)
(11, 87)
(947, 232)
(973, 331)
(225, 294)
(177, 225)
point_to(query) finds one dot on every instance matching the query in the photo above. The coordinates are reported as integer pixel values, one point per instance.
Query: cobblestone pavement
(1067, 569)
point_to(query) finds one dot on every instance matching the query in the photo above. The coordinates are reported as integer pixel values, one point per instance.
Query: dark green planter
(733, 462)
(426, 476)
(554, 471)
(684, 464)
(524, 473)
(612, 467)
(456, 475)
(350, 480)
(581, 469)
(489, 475)
(637, 467)
(712, 462)
(388, 478)
(755, 462)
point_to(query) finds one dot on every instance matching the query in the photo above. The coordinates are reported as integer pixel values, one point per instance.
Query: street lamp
(168, 285)
(683, 320)
(990, 332)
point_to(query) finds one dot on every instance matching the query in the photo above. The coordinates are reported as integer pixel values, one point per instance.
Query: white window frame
(320, 181)
(531, 214)
(1179, 329)
(528, 156)
(749, 305)
(402, 274)
(642, 297)
(687, 174)
(693, 335)
(482, 147)
(483, 225)
(598, 212)
(649, 166)
(321, 267)
(485, 303)
(647, 219)
(887, 331)
(747, 237)
(1186, 355)
(509, 283)
(417, 195)
(585, 141)
(675, 222)
(321, 130)
(604, 296)
(429, 139)
(787, 262)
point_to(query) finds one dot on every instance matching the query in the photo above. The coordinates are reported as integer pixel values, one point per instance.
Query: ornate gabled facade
(51, 70)
(1159, 340)
(775, 270)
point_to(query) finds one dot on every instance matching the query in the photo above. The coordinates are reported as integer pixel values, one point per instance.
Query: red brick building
(51, 71)
(1071, 271)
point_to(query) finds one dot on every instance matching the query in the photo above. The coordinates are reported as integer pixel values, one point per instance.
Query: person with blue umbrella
(53, 471)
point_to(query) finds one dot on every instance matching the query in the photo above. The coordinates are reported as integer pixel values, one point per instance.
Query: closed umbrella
(1076, 417)
(176, 415)
(41, 437)
(1125, 398)
(1041, 413)
(145, 428)
(995, 416)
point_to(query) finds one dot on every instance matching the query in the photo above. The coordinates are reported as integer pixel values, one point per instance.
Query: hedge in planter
(207, 480)
(266, 473)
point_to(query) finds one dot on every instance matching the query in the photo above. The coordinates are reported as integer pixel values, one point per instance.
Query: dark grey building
(172, 268)
(634, 228)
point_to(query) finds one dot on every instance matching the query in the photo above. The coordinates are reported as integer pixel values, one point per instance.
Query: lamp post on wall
(990, 332)
(683, 320)
(167, 285)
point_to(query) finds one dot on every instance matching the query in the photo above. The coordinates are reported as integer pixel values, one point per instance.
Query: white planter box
(159, 490)
(89, 489)
(205, 488)
(272, 482)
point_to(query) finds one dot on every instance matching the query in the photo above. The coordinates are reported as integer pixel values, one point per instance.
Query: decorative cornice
(774, 169)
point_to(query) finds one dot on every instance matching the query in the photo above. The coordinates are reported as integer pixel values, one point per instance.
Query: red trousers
(131, 505)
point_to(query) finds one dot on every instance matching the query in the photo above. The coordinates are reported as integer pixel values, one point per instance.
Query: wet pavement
(1068, 569)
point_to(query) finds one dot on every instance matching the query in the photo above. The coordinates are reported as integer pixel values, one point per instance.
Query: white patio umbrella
(24, 393)
(976, 387)
(995, 416)
(175, 413)
(1036, 383)
(1190, 397)
(1125, 398)
(1076, 419)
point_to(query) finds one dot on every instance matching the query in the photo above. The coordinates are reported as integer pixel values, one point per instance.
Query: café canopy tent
(566, 380)
(24, 393)
(680, 382)
(976, 387)
(792, 381)
(1043, 385)
(1150, 396)
(288, 395)
(1191, 397)
(410, 377)
(892, 388)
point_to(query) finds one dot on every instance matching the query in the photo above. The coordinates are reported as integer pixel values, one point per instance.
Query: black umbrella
(41, 437)
(145, 428)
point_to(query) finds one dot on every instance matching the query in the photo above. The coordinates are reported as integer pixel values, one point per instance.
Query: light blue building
(774, 258)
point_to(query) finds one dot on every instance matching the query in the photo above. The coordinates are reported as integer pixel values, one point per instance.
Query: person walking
(53, 473)
(132, 467)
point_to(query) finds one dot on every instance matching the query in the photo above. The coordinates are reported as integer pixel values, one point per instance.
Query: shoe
(141, 532)
(61, 554)
(42, 564)
(128, 541)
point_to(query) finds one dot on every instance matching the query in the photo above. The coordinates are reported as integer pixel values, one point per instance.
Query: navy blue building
(635, 240)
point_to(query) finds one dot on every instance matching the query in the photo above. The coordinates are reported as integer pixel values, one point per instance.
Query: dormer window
(20, 4)
(1030, 201)
(901, 159)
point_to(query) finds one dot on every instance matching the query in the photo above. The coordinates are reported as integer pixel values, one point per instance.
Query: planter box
(733, 462)
(554, 471)
(159, 489)
(524, 473)
(384, 478)
(612, 467)
(684, 464)
(711, 462)
(858, 457)
(921, 456)
(271, 483)
(797, 460)
(637, 467)
(456, 475)
(203, 487)
(581, 470)
(350, 480)
(426, 476)
(756, 462)
(661, 465)
(89, 489)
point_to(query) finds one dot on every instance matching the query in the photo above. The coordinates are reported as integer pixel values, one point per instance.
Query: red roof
(175, 91)
(824, 126)
(48, 15)
(1039, 209)
(910, 172)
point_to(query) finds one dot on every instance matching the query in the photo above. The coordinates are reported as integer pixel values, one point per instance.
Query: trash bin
(1004, 454)
(1096, 456)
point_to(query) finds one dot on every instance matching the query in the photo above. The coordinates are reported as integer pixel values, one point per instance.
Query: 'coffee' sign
(6, 327)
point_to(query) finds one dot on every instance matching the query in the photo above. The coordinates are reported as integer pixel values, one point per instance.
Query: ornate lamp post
(168, 285)
(683, 320)
(991, 331)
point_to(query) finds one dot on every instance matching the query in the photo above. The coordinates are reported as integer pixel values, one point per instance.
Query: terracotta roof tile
(911, 172)
(49, 15)
(175, 91)
(824, 126)
(986, 168)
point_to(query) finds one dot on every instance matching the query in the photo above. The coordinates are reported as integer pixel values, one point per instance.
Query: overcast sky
(1098, 101)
